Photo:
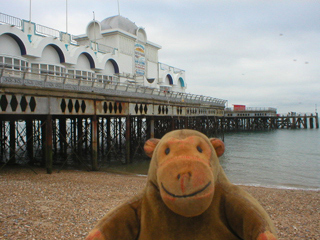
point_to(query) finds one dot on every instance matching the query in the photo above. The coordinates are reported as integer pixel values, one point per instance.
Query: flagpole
(66, 16)
(118, 8)
(30, 12)
(94, 31)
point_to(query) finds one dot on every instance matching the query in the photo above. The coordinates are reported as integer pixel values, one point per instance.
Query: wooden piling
(74, 130)
(101, 135)
(86, 133)
(2, 137)
(12, 141)
(305, 122)
(54, 137)
(63, 135)
(48, 144)
(29, 133)
(80, 138)
(152, 128)
(108, 132)
(128, 139)
(94, 139)
(311, 121)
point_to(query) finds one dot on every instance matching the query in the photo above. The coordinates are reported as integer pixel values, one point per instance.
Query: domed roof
(119, 22)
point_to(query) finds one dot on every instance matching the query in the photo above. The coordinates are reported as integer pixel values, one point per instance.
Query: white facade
(113, 50)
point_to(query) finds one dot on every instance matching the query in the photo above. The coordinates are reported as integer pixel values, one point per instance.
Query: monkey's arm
(247, 217)
(121, 223)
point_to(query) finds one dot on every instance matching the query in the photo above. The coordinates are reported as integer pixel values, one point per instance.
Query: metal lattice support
(162, 126)
(139, 128)
(17, 143)
(69, 142)
(180, 123)
(37, 147)
(104, 139)
(5, 139)
(86, 143)
(112, 139)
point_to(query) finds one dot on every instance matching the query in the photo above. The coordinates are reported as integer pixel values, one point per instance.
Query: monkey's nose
(184, 179)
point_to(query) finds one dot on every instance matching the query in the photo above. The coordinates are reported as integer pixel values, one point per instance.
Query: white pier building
(113, 51)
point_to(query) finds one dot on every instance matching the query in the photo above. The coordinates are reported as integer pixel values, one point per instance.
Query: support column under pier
(29, 132)
(12, 158)
(63, 135)
(128, 139)
(152, 128)
(80, 137)
(2, 138)
(108, 132)
(94, 139)
(305, 122)
(48, 144)
(311, 122)
(172, 124)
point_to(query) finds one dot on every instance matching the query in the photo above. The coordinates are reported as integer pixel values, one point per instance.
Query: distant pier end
(248, 118)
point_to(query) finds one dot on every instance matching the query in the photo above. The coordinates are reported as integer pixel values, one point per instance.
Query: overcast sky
(260, 53)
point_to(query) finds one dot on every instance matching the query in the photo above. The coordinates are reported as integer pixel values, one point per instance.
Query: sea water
(279, 158)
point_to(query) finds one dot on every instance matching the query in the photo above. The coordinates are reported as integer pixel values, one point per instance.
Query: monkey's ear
(218, 145)
(150, 145)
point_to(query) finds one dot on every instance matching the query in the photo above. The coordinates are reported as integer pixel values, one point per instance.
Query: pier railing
(51, 32)
(46, 31)
(13, 21)
(27, 77)
(296, 114)
(164, 66)
(255, 109)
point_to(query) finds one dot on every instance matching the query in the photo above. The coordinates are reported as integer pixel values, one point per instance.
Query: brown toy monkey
(187, 196)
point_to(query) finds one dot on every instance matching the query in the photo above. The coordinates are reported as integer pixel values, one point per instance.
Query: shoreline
(280, 187)
(68, 204)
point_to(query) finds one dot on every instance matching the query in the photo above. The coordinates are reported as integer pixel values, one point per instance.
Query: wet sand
(68, 204)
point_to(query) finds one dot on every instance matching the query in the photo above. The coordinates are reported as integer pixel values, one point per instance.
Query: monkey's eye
(199, 149)
(167, 151)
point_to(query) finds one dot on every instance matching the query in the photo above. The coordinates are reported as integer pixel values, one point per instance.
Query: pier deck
(48, 120)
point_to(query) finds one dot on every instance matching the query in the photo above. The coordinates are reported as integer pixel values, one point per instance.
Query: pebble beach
(67, 205)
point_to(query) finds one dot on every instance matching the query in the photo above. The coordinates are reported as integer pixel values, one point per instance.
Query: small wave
(303, 188)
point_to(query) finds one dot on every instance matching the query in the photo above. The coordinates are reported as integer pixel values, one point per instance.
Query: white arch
(105, 58)
(7, 29)
(42, 43)
(50, 55)
(141, 34)
(9, 46)
(77, 51)
(94, 30)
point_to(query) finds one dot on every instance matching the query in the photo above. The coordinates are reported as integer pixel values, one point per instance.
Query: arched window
(11, 48)
(83, 69)
(169, 79)
(51, 60)
(107, 75)
(181, 82)
(11, 44)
